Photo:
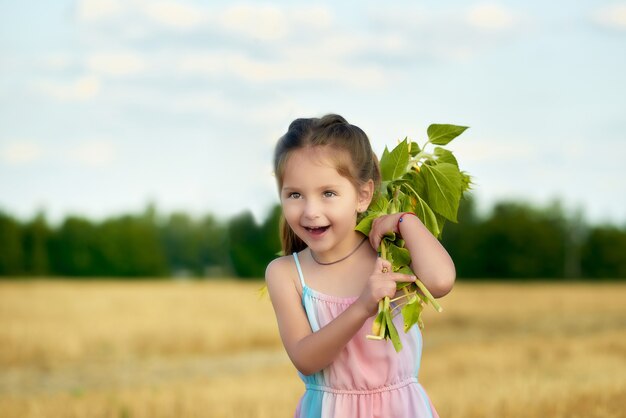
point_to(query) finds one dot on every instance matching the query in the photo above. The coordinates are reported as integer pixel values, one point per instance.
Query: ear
(365, 195)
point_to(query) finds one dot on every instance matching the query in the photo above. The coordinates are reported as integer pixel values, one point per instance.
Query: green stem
(428, 295)
(406, 295)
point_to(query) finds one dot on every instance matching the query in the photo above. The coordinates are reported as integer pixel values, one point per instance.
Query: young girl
(325, 290)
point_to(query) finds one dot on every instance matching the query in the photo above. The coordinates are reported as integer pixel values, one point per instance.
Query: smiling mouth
(317, 229)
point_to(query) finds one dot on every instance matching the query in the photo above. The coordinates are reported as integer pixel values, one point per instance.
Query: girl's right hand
(381, 283)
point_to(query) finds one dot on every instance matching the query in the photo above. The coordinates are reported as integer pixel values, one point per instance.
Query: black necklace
(341, 259)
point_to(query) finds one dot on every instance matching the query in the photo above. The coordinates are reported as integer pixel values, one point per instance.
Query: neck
(337, 255)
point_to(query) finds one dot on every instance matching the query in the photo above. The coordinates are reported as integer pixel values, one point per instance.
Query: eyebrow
(325, 187)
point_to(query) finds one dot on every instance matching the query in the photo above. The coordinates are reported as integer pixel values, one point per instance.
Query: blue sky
(109, 105)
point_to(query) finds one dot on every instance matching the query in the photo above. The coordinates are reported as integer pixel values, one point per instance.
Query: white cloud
(57, 61)
(317, 17)
(483, 150)
(490, 16)
(174, 14)
(116, 63)
(96, 153)
(292, 66)
(82, 89)
(21, 152)
(92, 10)
(613, 16)
(260, 22)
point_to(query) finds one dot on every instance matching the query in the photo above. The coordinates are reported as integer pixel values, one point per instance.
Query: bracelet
(400, 220)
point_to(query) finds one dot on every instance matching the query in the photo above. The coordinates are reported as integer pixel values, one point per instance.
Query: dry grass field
(211, 349)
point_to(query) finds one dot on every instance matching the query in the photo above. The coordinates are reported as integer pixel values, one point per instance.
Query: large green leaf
(443, 188)
(441, 134)
(394, 164)
(424, 212)
(427, 216)
(445, 156)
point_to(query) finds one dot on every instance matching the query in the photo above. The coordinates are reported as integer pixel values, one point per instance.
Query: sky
(107, 106)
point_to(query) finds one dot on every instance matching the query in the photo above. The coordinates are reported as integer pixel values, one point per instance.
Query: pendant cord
(341, 259)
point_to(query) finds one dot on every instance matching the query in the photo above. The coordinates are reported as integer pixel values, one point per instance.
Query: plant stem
(402, 296)
(428, 295)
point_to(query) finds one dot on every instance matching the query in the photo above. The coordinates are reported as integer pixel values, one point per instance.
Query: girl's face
(319, 204)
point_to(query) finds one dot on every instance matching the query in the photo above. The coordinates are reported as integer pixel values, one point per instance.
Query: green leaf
(425, 213)
(393, 333)
(400, 256)
(445, 156)
(365, 225)
(395, 163)
(466, 181)
(405, 270)
(411, 313)
(416, 181)
(443, 188)
(441, 222)
(441, 134)
(379, 203)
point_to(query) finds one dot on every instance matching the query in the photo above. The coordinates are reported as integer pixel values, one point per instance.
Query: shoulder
(279, 266)
(281, 271)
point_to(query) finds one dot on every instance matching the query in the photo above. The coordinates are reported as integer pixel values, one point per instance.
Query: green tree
(73, 248)
(11, 253)
(460, 239)
(130, 246)
(213, 250)
(252, 247)
(604, 253)
(36, 241)
(518, 241)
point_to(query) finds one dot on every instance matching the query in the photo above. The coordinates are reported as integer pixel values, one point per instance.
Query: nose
(311, 209)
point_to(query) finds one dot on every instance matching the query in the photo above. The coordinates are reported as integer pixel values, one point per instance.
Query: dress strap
(295, 257)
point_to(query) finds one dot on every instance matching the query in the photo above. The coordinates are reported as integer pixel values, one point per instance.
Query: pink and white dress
(368, 378)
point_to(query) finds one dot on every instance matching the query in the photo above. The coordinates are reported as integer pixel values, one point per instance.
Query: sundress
(368, 378)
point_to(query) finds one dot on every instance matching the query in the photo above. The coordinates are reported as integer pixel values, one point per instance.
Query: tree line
(515, 241)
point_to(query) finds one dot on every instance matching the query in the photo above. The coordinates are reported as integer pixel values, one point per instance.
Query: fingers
(399, 277)
(381, 265)
(374, 240)
(374, 236)
(385, 267)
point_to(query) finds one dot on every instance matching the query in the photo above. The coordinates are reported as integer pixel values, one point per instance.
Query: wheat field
(211, 349)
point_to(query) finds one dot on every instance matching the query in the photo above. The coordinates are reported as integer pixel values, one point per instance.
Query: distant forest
(515, 241)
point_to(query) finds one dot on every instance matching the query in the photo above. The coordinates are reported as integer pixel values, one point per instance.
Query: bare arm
(312, 351)
(430, 261)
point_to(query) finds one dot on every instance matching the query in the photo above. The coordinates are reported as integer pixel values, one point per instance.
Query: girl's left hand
(381, 226)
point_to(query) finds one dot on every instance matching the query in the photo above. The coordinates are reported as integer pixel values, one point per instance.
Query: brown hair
(358, 163)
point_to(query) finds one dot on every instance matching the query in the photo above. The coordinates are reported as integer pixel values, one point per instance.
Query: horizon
(111, 105)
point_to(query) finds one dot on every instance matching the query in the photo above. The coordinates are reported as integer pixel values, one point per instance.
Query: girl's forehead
(312, 165)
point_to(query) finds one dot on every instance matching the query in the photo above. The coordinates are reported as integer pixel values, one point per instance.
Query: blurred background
(136, 142)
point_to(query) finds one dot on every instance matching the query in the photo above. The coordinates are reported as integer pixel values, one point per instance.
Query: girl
(325, 290)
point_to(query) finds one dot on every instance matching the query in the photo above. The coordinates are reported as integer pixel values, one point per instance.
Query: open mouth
(317, 230)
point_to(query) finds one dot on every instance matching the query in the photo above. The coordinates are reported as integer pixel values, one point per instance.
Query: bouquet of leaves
(429, 184)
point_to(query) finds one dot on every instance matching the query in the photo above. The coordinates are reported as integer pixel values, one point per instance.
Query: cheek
(291, 212)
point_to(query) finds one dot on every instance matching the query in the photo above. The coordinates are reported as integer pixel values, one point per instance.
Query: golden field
(211, 349)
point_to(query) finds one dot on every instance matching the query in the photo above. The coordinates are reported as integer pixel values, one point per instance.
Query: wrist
(401, 219)
(361, 310)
